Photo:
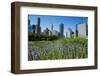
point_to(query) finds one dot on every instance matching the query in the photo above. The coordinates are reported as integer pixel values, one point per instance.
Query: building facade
(82, 30)
(55, 33)
(33, 27)
(69, 33)
(38, 28)
(46, 32)
(29, 26)
(61, 30)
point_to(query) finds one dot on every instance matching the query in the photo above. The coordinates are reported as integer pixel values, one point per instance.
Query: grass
(64, 48)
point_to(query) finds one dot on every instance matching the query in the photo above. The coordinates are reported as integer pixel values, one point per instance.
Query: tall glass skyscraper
(61, 30)
(38, 28)
(29, 26)
(76, 30)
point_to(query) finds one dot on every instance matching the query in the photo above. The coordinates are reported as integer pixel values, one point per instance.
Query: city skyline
(47, 21)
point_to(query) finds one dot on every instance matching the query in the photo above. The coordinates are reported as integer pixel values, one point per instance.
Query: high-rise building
(46, 32)
(33, 27)
(55, 33)
(66, 34)
(38, 21)
(69, 33)
(86, 29)
(82, 30)
(76, 33)
(61, 30)
(38, 28)
(28, 22)
(51, 32)
(51, 27)
(29, 26)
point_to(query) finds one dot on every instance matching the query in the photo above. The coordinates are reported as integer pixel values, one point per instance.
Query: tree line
(41, 37)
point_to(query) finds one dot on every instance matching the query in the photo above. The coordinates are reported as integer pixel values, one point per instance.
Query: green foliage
(63, 48)
(74, 40)
(41, 37)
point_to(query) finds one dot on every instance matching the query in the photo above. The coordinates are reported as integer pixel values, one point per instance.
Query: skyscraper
(28, 22)
(38, 28)
(51, 27)
(55, 33)
(38, 21)
(76, 30)
(29, 26)
(61, 30)
(33, 27)
(69, 33)
(82, 30)
(86, 29)
(46, 31)
(51, 33)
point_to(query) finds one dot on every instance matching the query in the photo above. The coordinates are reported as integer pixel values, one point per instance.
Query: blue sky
(68, 21)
